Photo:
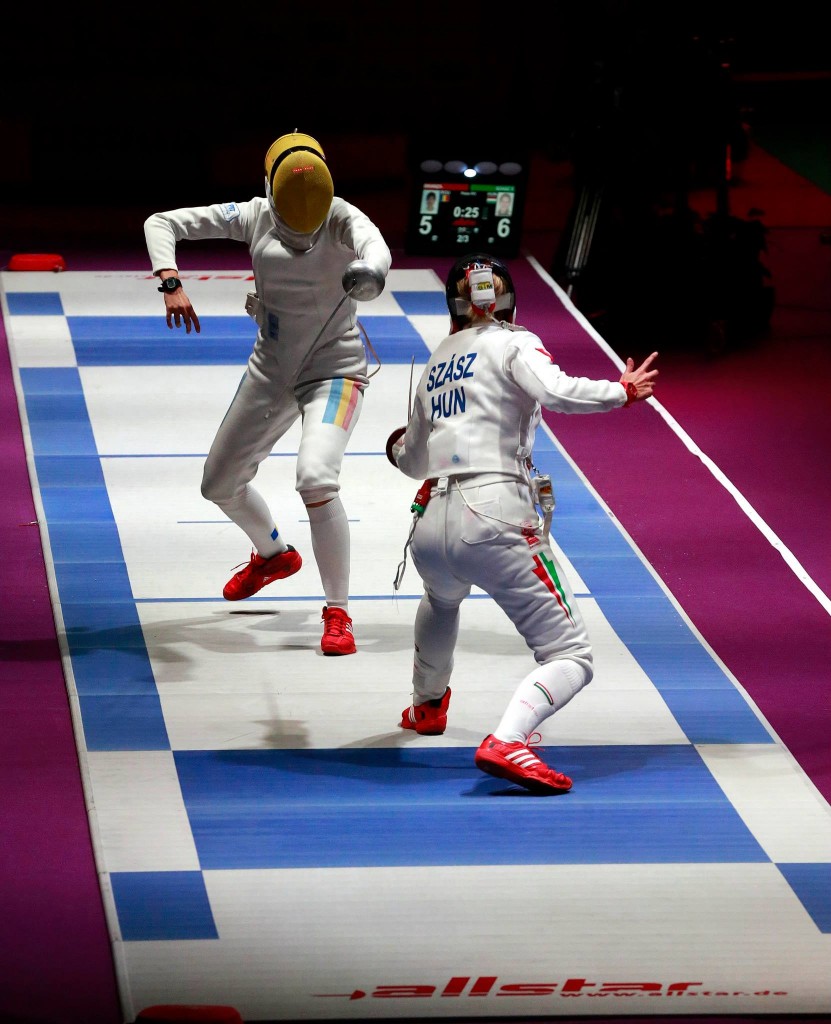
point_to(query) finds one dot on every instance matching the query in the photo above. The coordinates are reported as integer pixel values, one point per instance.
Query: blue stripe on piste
(34, 303)
(395, 340)
(120, 705)
(148, 341)
(154, 905)
(223, 340)
(812, 885)
(431, 303)
(57, 413)
(378, 807)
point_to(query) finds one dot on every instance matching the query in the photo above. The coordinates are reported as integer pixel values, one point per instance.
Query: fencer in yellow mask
(297, 182)
(314, 257)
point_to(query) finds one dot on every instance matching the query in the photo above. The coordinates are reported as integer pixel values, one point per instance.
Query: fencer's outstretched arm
(643, 377)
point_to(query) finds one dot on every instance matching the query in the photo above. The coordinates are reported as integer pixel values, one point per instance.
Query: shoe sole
(435, 729)
(502, 771)
(335, 654)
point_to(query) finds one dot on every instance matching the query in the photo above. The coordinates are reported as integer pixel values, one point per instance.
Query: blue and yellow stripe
(343, 400)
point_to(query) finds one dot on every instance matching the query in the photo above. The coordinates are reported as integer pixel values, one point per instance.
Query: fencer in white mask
(482, 516)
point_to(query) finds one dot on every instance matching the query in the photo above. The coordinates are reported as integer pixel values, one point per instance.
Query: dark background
(111, 105)
(111, 113)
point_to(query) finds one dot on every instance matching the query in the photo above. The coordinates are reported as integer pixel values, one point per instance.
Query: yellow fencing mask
(298, 183)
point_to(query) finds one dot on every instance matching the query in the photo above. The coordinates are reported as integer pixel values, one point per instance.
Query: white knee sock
(542, 692)
(330, 544)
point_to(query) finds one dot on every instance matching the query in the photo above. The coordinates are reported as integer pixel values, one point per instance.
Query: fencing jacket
(478, 403)
(297, 277)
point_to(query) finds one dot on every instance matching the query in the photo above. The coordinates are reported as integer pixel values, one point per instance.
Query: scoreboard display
(453, 214)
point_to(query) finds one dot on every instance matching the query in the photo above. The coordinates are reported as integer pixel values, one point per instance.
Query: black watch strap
(170, 284)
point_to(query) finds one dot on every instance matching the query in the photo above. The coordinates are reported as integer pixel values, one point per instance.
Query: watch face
(171, 284)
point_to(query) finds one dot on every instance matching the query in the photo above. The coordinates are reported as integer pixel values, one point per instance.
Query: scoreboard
(453, 214)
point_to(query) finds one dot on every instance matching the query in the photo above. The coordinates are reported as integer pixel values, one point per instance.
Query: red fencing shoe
(516, 763)
(260, 572)
(429, 718)
(337, 632)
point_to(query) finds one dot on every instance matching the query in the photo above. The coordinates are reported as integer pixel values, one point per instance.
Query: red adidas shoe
(517, 763)
(337, 632)
(260, 572)
(429, 718)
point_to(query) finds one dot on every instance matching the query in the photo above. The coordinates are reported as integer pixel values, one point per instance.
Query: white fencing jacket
(478, 403)
(297, 277)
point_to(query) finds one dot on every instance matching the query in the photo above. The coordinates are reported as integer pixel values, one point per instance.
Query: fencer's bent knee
(210, 488)
(217, 487)
(442, 603)
(316, 481)
(587, 669)
(582, 665)
(319, 494)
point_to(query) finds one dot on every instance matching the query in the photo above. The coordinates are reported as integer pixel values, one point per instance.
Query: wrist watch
(170, 284)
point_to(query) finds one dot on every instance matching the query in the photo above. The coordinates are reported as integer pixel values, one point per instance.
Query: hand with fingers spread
(639, 382)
